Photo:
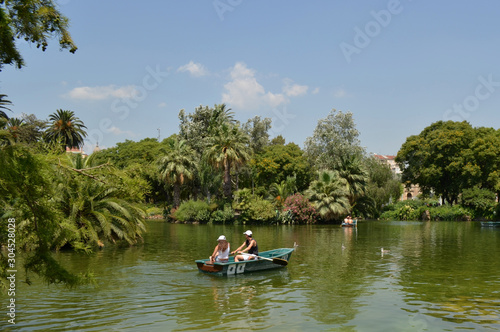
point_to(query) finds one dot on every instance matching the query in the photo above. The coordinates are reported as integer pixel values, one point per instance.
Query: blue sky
(398, 66)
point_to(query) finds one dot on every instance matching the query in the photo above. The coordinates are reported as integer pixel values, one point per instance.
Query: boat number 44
(236, 268)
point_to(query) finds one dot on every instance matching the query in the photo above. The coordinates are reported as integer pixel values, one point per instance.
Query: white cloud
(195, 69)
(162, 104)
(244, 92)
(117, 131)
(294, 90)
(340, 93)
(102, 92)
(315, 91)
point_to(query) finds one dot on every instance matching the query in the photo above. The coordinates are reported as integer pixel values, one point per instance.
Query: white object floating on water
(384, 251)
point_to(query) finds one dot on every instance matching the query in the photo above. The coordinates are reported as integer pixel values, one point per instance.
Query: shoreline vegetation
(218, 170)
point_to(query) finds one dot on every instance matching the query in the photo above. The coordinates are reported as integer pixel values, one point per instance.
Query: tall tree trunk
(177, 195)
(227, 178)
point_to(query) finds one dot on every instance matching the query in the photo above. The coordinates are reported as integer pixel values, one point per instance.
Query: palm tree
(13, 126)
(66, 128)
(177, 166)
(4, 102)
(219, 116)
(228, 147)
(99, 212)
(329, 195)
(351, 169)
(97, 207)
(285, 188)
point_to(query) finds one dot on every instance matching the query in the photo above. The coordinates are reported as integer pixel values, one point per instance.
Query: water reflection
(437, 276)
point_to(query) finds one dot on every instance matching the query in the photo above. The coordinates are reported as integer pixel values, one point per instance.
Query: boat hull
(490, 223)
(254, 265)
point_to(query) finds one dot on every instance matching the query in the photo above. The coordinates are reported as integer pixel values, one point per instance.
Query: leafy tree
(144, 152)
(329, 195)
(177, 166)
(35, 21)
(383, 187)
(278, 162)
(278, 140)
(482, 167)
(27, 191)
(228, 147)
(29, 130)
(257, 129)
(436, 159)
(66, 128)
(333, 137)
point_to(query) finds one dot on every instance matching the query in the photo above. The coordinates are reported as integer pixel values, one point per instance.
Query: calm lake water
(437, 276)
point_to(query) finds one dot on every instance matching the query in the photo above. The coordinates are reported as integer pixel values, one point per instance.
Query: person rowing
(250, 252)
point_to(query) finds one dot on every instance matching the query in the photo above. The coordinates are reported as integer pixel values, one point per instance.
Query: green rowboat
(266, 260)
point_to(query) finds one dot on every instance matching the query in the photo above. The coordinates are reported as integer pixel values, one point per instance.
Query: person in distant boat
(348, 220)
(250, 252)
(221, 251)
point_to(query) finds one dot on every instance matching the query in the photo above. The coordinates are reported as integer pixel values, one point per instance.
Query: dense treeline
(456, 163)
(243, 175)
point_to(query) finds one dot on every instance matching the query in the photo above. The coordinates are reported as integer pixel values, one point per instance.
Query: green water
(439, 276)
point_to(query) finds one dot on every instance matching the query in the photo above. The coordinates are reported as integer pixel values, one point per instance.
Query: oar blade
(280, 261)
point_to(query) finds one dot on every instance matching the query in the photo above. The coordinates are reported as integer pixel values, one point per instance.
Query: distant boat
(354, 223)
(490, 223)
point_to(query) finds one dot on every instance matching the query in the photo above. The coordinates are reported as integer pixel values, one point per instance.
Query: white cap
(249, 233)
(221, 238)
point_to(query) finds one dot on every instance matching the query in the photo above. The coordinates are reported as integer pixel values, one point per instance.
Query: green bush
(409, 210)
(253, 208)
(450, 213)
(223, 216)
(193, 211)
(480, 201)
(260, 210)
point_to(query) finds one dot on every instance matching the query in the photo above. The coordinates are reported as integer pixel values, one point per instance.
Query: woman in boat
(221, 251)
(250, 252)
(348, 220)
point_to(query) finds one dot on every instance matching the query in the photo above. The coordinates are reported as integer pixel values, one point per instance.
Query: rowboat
(266, 260)
(490, 223)
(354, 223)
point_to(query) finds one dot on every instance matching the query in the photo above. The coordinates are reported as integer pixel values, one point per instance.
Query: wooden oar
(275, 260)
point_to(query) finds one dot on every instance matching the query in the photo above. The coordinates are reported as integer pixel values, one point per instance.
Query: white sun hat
(249, 233)
(221, 238)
